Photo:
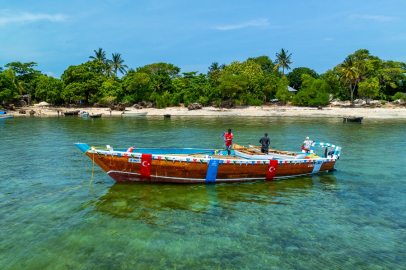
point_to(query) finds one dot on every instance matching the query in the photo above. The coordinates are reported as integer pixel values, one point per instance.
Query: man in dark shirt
(265, 141)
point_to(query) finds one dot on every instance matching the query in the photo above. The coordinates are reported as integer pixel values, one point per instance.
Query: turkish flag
(146, 160)
(273, 163)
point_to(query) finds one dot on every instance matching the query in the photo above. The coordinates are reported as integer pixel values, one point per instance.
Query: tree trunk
(352, 92)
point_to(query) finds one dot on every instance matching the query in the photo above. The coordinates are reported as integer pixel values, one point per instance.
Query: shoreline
(250, 111)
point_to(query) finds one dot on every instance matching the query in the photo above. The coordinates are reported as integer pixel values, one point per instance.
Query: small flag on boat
(119, 154)
(264, 162)
(98, 153)
(152, 158)
(258, 162)
(112, 154)
(125, 155)
(187, 160)
(253, 162)
(194, 160)
(166, 158)
(159, 157)
(173, 159)
(105, 154)
(234, 162)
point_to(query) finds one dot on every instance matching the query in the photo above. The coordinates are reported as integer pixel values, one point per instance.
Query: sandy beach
(262, 111)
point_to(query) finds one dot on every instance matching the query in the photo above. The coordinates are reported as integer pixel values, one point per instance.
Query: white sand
(387, 112)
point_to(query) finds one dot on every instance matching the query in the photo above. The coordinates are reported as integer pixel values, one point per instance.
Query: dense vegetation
(251, 82)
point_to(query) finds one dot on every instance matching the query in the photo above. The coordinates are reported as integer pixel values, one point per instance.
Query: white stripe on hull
(218, 179)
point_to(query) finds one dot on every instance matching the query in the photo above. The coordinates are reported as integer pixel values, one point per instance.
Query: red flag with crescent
(273, 163)
(146, 160)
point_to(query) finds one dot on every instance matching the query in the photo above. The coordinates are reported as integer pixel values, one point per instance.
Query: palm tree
(117, 64)
(100, 55)
(349, 73)
(1, 69)
(214, 71)
(283, 60)
(108, 69)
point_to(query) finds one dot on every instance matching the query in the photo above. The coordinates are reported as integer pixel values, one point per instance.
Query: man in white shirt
(307, 144)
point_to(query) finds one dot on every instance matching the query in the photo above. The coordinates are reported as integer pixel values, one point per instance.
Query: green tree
(314, 92)
(369, 88)
(231, 85)
(295, 76)
(118, 64)
(100, 55)
(214, 72)
(110, 91)
(8, 89)
(265, 62)
(283, 60)
(49, 89)
(83, 81)
(138, 85)
(26, 76)
(282, 92)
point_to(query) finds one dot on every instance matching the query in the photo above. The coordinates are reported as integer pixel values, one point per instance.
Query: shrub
(314, 92)
(383, 102)
(255, 102)
(203, 100)
(154, 96)
(397, 96)
(1, 107)
(175, 100)
(160, 103)
(130, 99)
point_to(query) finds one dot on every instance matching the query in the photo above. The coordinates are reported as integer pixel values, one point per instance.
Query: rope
(39, 196)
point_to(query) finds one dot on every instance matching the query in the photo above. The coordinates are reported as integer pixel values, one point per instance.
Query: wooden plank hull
(121, 170)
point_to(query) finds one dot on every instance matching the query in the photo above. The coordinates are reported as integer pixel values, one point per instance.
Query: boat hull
(6, 116)
(122, 170)
(134, 114)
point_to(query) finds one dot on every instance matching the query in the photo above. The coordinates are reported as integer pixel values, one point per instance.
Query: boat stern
(82, 146)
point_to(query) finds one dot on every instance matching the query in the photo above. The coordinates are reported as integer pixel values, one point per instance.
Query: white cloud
(50, 74)
(254, 23)
(7, 18)
(377, 18)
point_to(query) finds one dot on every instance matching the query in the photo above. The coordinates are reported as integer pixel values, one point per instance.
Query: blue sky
(194, 34)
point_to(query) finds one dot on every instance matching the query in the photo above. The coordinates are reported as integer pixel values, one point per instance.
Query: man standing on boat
(265, 142)
(228, 137)
(307, 144)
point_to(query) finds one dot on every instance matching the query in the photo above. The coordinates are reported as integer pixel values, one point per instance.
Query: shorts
(228, 147)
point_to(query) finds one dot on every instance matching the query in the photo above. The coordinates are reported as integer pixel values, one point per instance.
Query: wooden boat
(95, 115)
(352, 119)
(134, 114)
(201, 165)
(71, 113)
(167, 116)
(6, 116)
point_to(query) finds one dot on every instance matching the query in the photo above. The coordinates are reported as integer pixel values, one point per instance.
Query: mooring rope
(39, 196)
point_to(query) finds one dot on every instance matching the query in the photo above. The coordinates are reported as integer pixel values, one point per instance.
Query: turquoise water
(353, 218)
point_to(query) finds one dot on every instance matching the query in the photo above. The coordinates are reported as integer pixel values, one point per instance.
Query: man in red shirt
(228, 137)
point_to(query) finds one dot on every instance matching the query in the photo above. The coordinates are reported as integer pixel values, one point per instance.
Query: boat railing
(337, 149)
(173, 157)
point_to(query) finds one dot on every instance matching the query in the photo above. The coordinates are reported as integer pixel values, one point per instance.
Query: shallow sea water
(353, 218)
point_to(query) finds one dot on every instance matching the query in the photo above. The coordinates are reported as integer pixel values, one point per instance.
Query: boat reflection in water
(157, 203)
